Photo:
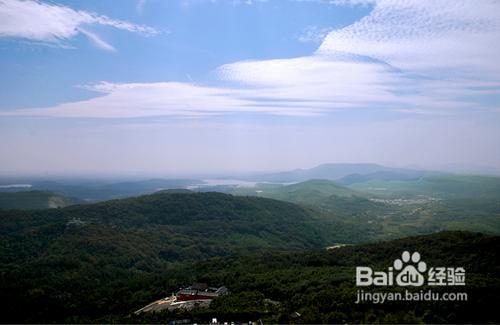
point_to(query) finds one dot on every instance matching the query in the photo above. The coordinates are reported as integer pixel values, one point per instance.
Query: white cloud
(423, 36)
(52, 23)
(165, 99)
(407, 56)
(97, 41)
(306, 86)
(320, 81)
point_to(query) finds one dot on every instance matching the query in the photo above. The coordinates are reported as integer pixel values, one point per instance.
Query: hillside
(269, 285)
(33, 200)
(100, 261)
(311, 190)
(323, 195)
(320, 286)
(54, 257)
(442, 186)
(381, 176)
(393, 209)
(163, 227)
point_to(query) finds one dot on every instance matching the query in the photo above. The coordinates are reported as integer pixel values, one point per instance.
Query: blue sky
(220, 86)
(194, 38)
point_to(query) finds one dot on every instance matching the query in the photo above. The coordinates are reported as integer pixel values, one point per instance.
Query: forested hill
(160, 227)
(54, 255)
(33, 200)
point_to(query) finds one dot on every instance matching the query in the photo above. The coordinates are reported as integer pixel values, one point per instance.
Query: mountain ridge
(332, 171)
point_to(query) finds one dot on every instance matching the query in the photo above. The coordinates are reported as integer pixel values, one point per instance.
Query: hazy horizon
(237, 174)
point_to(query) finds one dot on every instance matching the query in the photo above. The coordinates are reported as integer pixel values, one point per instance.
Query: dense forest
(272, 285)
(100, 262)
(319, 285)
(171, 226)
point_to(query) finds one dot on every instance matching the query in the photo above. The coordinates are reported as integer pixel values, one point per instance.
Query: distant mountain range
(338, 172)
(365, 179)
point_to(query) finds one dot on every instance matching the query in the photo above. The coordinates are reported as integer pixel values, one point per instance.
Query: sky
(168, 88)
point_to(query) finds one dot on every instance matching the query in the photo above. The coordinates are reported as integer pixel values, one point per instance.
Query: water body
(16, 186)
(223, 182)
(231, 182)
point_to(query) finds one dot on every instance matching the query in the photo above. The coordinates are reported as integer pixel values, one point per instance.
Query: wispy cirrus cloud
(333, 82)
(175, 99)
(314, 34)
(51, 23)
(97, 41)
(424, 56)
(407, 56)
(426, 36)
